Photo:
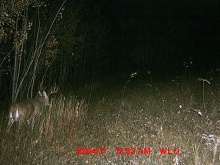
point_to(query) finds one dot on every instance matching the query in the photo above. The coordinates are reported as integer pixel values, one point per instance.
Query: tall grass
(33, 143)
(146, 115)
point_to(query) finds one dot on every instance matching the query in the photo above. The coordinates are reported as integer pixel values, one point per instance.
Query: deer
(29, 108)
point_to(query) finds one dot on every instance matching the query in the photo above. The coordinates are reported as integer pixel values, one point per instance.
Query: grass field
(124, 122)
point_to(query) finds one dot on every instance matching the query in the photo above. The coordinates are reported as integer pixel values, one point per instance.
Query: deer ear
(39, 93)
(44, 94)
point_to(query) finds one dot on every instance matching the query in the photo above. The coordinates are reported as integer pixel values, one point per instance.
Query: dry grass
(140, 116)
(46, 137)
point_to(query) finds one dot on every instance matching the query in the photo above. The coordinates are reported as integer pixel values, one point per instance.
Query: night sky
(161, 35)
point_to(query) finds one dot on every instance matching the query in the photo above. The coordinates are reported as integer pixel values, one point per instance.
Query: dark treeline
(90, 37)
(164, 34)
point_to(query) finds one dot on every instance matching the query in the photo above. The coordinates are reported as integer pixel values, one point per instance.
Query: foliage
(35, 34)
(29, 45)
(11, 12)
(83, 38)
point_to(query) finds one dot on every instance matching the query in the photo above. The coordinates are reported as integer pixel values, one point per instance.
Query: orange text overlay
(128, 151)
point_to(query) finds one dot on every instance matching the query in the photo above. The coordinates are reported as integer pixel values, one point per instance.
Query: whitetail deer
(28, 108)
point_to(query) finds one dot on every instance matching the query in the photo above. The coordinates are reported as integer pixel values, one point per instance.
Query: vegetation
(101, 116)
(142, 114)
(42, 42)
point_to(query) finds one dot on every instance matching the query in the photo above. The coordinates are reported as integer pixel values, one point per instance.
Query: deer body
(28, 108)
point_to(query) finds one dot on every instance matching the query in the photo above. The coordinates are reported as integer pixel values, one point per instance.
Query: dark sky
(161, 34)
(168, 33)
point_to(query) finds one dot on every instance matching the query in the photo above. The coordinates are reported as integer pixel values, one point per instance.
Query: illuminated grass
(142, 115)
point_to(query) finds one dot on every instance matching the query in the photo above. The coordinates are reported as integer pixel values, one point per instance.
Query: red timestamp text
(89, 151)
(131, 151)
